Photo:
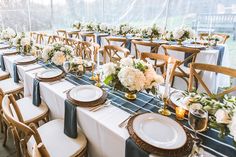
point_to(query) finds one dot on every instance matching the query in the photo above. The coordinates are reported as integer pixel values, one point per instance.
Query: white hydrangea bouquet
(131, 76)
(57, 53)
(77, 25)
(222, 113)
(102, 28)
(152, 32)
(183, 33)
(7, 34)
(123, 29)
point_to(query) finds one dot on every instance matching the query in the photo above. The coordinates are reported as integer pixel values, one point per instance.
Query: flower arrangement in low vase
(131, 76)
(222, 112)
(77, 25)
(7, 34)
(78, 65)
(91, 27)
(17, 41)
(123, 30)
(57, 53)
(183, 33)
(152, 32)
(102, 28)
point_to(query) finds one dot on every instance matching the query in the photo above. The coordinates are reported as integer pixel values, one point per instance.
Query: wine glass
(66, 66)
(197, 119)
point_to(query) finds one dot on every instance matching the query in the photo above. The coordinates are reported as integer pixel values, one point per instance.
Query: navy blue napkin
(128, 44)
(70, 120)
(15, 73)
(2, 63)
(83, 37)
(99, 39)
(132, 150)
(36, 93)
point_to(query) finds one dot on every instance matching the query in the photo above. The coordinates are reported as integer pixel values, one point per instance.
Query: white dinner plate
(178, 99)
(159, 131)
(9, 51)
(86, 93)
(49, 73)
(26, 59)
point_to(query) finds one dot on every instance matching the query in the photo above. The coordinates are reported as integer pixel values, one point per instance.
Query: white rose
(132, 78)
(62, 49)
(178, 33)
(196, 106)
(232, 126)
(25, 41)
(128, 61)
(109, 69)
(222, 116)
(103, 27)
(149, 31)
(58, 58)
(125, 28)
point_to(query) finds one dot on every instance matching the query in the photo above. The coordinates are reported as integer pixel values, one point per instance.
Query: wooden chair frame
(89, 35)
(88, 49)
(163, 57)
(211, 68)
(122, 41)
(112, 52)
(22, 133)
(224, 36)
(62, 33)
(182, 74)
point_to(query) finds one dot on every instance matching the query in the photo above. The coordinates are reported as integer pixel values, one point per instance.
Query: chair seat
(30, 112)
(9, 86)
(4, 74)
(56, 142)
(185, 69)
(158, 62)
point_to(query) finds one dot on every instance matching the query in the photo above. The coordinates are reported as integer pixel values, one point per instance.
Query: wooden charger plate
(100, 101)
(183, 151)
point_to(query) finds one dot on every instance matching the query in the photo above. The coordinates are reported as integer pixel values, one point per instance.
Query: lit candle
(180, 112)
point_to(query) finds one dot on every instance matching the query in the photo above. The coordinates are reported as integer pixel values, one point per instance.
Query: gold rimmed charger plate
(182, 151)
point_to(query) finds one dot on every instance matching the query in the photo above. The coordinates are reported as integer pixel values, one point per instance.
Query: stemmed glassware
(197, 119)
(165, 97)
(66, 66)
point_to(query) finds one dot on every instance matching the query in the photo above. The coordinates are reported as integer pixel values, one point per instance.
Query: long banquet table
(106, 138)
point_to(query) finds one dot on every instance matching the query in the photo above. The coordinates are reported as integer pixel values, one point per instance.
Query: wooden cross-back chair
(90, 37)
(114, 53)
(225, 37)
(165, 58)
(88, 49)
(120, 41)
(62, 33)
(46, 38)
(182, 71)
(28, 136)
(56, 38)
(74, 43)
(73, 34)
(210, 68)
(154, 47)
(36, 36)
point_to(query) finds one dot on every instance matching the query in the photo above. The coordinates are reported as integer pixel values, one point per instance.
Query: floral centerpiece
(123, 29)
(90, 26)
(131, 76)
(152, 32)
(17, 41)
(77, 25)
(7, 34)
(222, 113)
(57, 53)
(102, 28)
(183, 33)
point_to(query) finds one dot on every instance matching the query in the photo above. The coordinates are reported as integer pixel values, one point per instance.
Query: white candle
(92, 57)
(98, 61)
(167, 81)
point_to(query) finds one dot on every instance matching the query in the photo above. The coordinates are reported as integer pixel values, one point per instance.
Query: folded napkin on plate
(36, 93)
(70, 120)
(15, 73)
(131, 149)
(2, 63)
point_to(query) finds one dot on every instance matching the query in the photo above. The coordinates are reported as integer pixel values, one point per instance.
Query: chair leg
(5, 134)
(162, 68)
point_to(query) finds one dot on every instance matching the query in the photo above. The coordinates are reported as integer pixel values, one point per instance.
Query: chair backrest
(225, 37)
(153, 46)
(62, 33)
(191, 57)
(56, 38)
(120, 41)
(36, 36)
(155, 56)
(114, 53)
(9, 107)
(210, 68)
(90, 37)
(88, 49)
(73, 34)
